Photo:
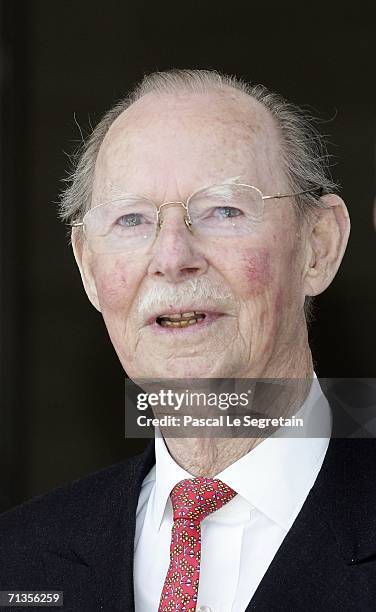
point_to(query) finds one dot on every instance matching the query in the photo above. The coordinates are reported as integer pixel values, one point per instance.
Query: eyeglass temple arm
(289, 195)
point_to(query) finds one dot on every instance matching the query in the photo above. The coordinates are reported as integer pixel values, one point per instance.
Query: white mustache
(198, 291)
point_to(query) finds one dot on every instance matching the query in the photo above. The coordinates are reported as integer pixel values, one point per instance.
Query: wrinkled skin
(166, 147)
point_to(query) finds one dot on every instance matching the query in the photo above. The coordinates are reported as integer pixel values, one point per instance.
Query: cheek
(255, 271)
(113, 286)
(259, 284)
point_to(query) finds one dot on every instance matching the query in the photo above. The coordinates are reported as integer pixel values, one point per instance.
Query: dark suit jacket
(79, 539)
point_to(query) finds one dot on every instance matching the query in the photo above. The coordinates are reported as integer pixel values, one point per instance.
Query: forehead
(166, 145)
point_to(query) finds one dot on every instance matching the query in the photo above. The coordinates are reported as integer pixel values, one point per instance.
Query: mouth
(182, 319)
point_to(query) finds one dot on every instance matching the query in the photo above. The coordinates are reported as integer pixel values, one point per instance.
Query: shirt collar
(274, 477)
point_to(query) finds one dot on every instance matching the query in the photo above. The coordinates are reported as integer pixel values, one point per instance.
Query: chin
(180, 369)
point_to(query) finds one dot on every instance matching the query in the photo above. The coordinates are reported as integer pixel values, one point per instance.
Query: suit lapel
(115, 543)
(95, 567)
(334, 532)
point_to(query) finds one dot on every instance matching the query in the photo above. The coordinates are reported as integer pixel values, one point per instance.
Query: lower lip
(201, 325)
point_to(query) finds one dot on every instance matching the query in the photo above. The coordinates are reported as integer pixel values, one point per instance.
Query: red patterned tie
(192, 500)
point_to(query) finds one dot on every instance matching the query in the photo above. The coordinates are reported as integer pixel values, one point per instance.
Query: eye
(130, 220)
(227, 212)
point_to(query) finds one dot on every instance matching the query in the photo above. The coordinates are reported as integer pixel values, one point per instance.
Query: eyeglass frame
(185, 205)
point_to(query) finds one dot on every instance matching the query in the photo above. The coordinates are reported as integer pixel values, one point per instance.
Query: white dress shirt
(240, 540)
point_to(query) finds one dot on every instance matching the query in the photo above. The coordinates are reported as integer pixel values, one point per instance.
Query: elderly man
(203, 221)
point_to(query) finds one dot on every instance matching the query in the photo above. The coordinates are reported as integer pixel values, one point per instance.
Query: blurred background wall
(66, 62)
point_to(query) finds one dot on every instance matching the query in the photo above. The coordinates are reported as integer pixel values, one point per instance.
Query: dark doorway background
(64, 63)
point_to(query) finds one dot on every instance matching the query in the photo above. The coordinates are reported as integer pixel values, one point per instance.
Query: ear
(328, 233)
(84, 261)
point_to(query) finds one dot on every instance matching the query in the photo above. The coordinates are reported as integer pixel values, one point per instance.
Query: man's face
(166, 147)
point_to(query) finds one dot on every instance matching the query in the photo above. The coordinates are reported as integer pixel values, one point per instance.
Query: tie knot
(195, 498)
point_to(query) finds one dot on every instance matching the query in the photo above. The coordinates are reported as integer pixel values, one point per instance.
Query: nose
(176, 254)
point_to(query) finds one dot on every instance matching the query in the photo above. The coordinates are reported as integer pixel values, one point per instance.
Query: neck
(209, 456)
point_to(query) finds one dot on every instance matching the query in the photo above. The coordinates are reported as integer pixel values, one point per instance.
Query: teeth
(178, 316)
(181, 322)
(177, 319)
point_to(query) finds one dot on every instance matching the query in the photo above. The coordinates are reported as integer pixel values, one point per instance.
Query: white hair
(304, 153)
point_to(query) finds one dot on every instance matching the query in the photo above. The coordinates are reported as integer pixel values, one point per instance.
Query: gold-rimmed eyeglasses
(132, 221)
